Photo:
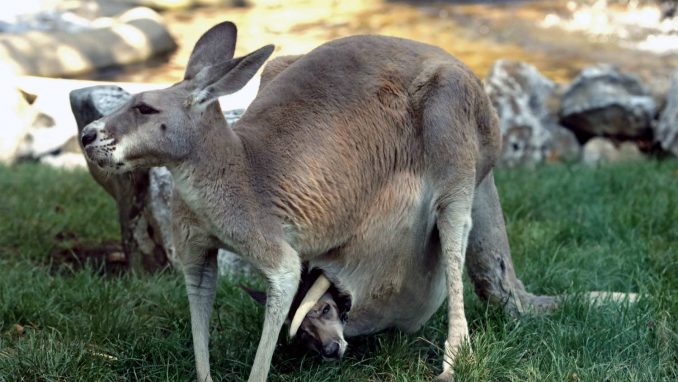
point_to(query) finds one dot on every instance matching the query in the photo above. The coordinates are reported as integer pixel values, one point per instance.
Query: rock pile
(602, 101)
(521, 96)
(608, 112)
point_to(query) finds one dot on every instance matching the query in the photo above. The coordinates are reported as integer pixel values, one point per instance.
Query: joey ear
(342, 299)
(214, 46)
(228, 77)
(256, 295)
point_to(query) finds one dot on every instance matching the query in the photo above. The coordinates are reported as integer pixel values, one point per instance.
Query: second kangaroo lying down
(369, 153)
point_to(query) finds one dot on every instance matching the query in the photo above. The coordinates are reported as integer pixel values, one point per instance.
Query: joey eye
(326, 309)
(145, 109)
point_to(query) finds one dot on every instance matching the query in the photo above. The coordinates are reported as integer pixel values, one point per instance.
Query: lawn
(572, 229)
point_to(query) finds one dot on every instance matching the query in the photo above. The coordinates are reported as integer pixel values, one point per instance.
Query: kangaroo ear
(215, 46)
(343, 301)
(256, 295)
(226, 78)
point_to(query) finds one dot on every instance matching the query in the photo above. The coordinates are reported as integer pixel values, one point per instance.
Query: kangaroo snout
(89, 135)
(332, 350)
(99, 147)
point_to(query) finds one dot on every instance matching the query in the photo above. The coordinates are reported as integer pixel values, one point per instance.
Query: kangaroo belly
(407, 308)
(391, 265)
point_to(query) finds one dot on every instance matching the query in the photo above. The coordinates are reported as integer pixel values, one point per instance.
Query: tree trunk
(143, 245)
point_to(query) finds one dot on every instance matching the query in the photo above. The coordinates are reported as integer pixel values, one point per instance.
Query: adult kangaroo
(362, 150)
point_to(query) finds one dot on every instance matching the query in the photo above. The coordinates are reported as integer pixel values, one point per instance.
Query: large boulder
(602, 101)
(666, 133)
(143, 196)
(134, 36)
(521, 96)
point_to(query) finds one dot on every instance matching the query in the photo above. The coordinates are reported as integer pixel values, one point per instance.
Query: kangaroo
(366, 150)
(319, 317)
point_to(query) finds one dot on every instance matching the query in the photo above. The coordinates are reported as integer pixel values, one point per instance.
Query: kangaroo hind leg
(456, 149)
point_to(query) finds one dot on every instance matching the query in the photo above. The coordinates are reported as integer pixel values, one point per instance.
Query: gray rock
(47, 21)
(233, 115)
(629, 151)
(180, 4)
(143, 196)
(142, 246)
(134, 36)
(521, 96)
(666, 133)
(602, 101)
(602, 150)
(160, 192)
(107, 99)
(562, 146)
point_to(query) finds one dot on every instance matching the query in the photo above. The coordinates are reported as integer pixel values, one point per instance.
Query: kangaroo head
(162, 127)
(322, 329)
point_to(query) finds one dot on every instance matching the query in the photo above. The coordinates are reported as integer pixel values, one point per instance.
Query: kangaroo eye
(326, 309)
(145, 109)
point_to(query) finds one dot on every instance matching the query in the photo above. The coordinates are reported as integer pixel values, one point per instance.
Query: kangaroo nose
(88, 136)
(331, 350)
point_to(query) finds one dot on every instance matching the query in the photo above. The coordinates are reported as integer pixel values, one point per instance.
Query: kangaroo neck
(216, 166)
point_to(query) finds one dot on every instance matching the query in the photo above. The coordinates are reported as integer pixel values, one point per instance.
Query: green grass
(572, 229)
